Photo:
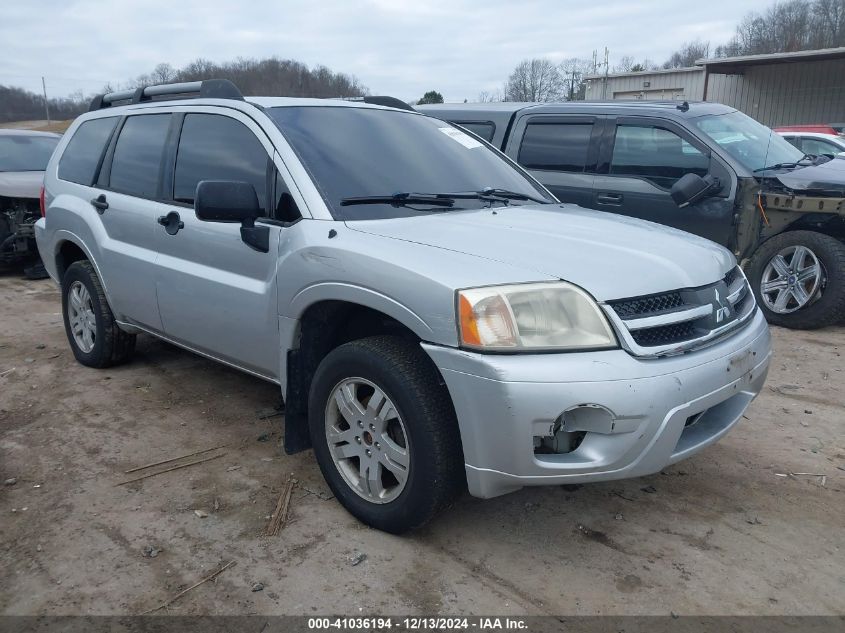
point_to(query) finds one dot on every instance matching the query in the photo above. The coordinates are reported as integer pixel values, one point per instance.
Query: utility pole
(606, 70)
(46, 103)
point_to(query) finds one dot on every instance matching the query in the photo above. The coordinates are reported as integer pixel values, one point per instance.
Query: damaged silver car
(23, 158)
(435, 319)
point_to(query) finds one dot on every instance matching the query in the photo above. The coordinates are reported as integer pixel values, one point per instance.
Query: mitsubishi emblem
(723, 311)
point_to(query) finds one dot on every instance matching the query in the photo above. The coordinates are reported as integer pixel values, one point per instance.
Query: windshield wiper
(401, 200)
(513, 195)
(809, 157)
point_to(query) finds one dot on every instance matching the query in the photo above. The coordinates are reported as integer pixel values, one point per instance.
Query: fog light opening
(561, 442)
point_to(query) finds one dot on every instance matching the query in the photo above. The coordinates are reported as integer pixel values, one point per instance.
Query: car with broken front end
(436, 320)
(705, 168)
(23, 157)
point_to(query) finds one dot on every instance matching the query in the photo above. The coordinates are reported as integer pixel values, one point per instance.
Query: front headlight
(540, 316)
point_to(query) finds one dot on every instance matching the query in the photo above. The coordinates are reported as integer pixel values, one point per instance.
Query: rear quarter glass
(82, 155)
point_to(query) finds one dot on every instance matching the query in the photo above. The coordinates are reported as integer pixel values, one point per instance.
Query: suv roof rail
(382, 100)
(208, 89)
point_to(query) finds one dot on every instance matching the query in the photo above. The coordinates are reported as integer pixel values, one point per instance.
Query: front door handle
(609, 198)
(171, 222)
(100, 204)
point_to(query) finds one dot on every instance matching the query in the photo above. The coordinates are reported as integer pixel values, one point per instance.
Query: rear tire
(792, 298)
(427, 473)
(94, 336)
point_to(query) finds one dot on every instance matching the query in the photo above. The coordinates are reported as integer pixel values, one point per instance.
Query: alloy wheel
(83, 323)
(791, 280)
(367, 440)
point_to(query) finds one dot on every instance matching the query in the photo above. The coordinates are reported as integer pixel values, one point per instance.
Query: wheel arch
(824, 223)
(321, 326)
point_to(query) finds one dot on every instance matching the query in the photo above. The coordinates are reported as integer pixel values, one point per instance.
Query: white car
(816, 143)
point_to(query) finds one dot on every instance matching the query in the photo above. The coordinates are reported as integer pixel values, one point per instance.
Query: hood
(21, 184)
(826, 179)
(610, 256)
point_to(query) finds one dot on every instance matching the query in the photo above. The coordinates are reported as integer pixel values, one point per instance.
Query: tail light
(41, 203)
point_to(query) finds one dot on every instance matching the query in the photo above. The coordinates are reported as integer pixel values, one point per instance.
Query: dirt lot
(41, 126)
(720, 533)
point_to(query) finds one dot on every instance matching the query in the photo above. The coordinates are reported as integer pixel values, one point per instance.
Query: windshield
(751, 143)
(26, 153)
(356, 154)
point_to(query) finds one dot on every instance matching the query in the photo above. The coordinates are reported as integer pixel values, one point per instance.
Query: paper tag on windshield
(464, 139)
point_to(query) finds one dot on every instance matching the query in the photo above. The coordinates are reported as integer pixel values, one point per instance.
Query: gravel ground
(721, 533)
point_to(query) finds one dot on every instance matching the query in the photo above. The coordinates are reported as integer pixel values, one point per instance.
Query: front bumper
(651, 412)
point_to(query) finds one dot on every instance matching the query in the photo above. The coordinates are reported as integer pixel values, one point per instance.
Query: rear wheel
(798, 279)
(384, 433)
(93, 334)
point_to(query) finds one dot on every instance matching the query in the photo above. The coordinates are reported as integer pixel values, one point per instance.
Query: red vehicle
(822, 129)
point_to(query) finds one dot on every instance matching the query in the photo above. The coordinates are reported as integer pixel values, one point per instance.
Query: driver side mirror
(233, 201)
(690, 188)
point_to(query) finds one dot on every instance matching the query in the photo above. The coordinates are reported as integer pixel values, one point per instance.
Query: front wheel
(384, 433)
(798, 279)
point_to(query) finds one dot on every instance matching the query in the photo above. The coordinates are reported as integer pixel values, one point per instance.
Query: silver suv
(435, 319)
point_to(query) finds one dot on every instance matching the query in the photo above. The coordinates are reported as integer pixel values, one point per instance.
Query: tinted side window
(137, 155)
(82, 155)
(818, 146)
(215, 147)
(555, 146)
(655, 154)
(484, 129)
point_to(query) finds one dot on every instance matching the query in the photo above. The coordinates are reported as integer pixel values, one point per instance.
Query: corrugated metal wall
(662, 85)
(778, 94)
(785, 94)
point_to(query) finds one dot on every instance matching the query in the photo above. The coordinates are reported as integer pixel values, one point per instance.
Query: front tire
(798, 278)
(94, 336)
(384, 433)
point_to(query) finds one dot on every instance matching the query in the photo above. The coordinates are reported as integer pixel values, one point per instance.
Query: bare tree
(573, 72)
(534, 80)
(489, 97)
(792, 25)
(688, 54)
(162, 74)
(625, 64)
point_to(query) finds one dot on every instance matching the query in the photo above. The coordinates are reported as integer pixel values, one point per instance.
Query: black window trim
(645, 121)
(592, 157)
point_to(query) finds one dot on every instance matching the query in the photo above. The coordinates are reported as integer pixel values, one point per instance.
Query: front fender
(367, 297)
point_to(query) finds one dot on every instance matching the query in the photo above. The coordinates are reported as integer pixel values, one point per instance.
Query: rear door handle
(609, 198)
(100, 204)
(171, 222)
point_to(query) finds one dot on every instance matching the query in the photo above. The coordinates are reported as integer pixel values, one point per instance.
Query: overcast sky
(395, 47)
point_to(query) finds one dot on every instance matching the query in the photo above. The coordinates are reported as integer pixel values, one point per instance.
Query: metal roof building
(776, 89)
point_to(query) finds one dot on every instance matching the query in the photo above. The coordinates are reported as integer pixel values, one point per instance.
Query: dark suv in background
(702, 167)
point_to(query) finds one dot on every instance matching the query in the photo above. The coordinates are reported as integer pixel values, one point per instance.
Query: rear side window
(484, 129)
(655, 154)
(555, 146)
(137, 155)
(817, 146)
(83, 153)
(215, 147)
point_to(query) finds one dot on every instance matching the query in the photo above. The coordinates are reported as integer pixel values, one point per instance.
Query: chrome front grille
(678, 321)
